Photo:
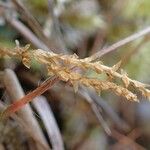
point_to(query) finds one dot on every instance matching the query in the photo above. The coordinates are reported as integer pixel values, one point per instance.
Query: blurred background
(60, 118)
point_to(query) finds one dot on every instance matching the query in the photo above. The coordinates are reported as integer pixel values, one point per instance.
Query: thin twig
(100, 118)
(96, 109)
(27, 98)
(122, 42)
(93, 97)
(16, 92)
(135, 50)
(121, 124)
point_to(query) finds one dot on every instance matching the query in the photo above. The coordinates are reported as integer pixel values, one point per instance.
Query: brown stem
(119, 44)
(26, 99)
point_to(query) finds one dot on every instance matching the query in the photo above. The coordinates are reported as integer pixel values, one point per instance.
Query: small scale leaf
(116, 66)
(125, 78)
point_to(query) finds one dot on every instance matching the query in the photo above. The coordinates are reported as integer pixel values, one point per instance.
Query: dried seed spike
(56, 64)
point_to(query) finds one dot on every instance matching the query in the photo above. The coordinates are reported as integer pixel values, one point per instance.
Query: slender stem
(100, 118)
(126, 58)
(38, 91)
(15, 92)
(119, 44)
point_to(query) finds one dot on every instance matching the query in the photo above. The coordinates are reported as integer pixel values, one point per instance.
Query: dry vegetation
(67, 40)
(64, 67)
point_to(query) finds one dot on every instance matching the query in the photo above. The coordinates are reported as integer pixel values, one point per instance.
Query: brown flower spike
(63, 66)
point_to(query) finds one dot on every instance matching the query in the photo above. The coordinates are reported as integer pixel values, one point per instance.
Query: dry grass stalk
(27, 98)
(15, 93)
(63, 66)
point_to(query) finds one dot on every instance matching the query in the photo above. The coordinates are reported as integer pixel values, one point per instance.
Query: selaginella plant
(66, 68)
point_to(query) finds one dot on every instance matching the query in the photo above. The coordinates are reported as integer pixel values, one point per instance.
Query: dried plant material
(61, 66)
(125, 78)
(15, 91)
(116, 66)
(27, 98)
